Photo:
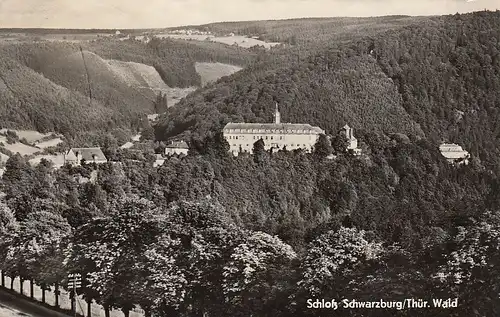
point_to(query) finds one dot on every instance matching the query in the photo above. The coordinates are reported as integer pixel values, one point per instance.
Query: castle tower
(353, 142)
(348, 132)
(277, 116)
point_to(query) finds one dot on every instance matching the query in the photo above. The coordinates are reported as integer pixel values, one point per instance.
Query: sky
(120, 14)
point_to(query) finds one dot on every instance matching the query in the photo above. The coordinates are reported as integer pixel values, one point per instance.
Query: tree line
(209, 234)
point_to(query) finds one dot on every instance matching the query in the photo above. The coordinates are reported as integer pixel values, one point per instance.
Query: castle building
(277, 135)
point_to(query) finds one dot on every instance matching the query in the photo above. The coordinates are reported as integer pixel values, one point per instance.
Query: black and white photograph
(250, 158)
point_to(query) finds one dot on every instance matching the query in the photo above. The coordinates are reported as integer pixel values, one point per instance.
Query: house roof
(282, 127)
(89, 154)
(178, 145)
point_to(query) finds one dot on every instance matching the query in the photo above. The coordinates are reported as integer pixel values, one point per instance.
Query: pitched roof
(283, 127)
(450, 147)
(89, 154)
(178, 145)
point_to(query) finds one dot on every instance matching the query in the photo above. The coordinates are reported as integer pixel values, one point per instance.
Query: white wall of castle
(294, 141)
(353, 144)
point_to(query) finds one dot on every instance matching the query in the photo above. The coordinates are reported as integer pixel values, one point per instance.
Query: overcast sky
(164, 13)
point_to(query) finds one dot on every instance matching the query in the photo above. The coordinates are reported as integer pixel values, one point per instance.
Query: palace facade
(277, 135)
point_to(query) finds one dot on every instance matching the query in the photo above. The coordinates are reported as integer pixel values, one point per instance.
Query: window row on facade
(275, 131)
(272, 145)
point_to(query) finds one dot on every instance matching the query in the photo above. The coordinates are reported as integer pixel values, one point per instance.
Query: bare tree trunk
(12, 283)
(43, 293)
(73, 301)
(21, 282)
(89, 307)
(3, 278)
(57, 292)
(32, 290)
(126, 312)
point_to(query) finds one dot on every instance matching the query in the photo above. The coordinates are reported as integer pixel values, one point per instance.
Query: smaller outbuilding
(177, 147)
(454, 153)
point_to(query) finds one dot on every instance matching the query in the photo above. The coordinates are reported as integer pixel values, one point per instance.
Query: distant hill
(307, 30)
(211, 72)
(412, 80)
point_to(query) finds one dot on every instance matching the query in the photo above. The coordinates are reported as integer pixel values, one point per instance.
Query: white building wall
(353, 144)
(172, 151)
(304, 141)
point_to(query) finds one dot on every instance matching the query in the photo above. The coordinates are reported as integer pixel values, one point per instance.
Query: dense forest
(260, 234)
(308, 30)
(440, 79)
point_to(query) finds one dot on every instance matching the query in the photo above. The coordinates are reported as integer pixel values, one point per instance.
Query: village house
(454, 153)
(177, 147)
(90, 155)
(242, 136)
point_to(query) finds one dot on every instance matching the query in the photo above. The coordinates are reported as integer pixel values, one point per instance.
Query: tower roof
(277, 116)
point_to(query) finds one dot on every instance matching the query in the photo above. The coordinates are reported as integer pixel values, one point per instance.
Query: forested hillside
(208, 234)
(92, 68)
(448, 74)
(122, 78)
(29, 100)
(174, 59)
(441, 77)
(309, 30)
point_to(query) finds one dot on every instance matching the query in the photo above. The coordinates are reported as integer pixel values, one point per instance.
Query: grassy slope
(29, 100)
(211, 72)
